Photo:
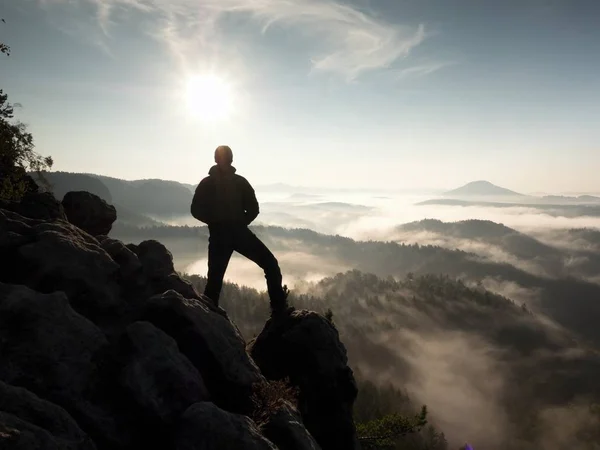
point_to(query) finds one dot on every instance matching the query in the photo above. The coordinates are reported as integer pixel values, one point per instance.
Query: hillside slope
(460, 349)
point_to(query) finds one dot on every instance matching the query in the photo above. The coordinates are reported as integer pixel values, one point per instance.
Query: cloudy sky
(370, 93)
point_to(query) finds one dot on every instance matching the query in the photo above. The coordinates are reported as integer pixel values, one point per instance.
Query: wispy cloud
(423, 69)
(342, 39)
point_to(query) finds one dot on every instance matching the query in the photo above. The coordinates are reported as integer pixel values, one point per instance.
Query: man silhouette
(226, 202)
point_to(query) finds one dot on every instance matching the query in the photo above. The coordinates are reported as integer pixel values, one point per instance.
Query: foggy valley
(454, 304)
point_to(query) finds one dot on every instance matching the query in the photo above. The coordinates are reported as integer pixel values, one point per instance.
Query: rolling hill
(481, 189)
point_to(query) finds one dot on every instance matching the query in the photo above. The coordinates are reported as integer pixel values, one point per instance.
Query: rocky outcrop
(305, 347)
(129, 264)
(162, 381)
(46, 346)
(286, 430)
(211, 343)
(218, 430)
(18, 434)
(61, 257)
(89, 212)
(159, 271)
(103, 345)
(37, 205)
(26, 419)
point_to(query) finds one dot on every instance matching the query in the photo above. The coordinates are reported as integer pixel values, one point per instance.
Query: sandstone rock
(17, 434)
(156, 259)
(39, 205)
(62, 257)
(46, 346)
(212, 344)
(51, 350)
(15, 231)
(162, 381)
(55, 353)
(34, 418)
(174, 282)
(89, 212)
(204, 426)
(286, 430)
(305, 347)
(159, 273)
(129, 263)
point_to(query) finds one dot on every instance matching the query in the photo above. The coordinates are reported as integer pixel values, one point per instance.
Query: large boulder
(163, 382)
(204, 426)
(58, 354)
(38, 205)
(33, 419)
(52, 351)
(129, 264)
(212, 343)
(18, 434)
(15, 231)
(62, 257)
(156, 259)
(46, 346)
(285, 429)
(305, 347)
(89, 212)
(159, 272)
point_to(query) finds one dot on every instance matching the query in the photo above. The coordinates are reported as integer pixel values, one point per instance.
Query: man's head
(223, 156)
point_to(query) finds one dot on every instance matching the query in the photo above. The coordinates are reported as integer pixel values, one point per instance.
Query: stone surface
(89, 212)
(162, 380)
(40, 205)
(287, 431)
(305, 347)
(62, 257)
(212, 344)
(38, 419)
(206, 427)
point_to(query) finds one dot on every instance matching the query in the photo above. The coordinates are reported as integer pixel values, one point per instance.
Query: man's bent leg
(250, 246)
(220, 249)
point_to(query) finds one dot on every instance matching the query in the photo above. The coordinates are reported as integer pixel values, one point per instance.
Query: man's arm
(250, 203)
(200, 207)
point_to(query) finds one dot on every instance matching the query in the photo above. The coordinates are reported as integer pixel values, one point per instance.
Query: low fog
(368, 216)
(471, 364)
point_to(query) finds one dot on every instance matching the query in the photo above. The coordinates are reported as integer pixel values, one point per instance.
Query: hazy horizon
(308, 188)
(325, 92)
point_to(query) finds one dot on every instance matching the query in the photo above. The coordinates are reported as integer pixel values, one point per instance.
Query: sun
(209, 97)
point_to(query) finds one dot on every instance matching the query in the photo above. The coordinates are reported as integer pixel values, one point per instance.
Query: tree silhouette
(17, 155)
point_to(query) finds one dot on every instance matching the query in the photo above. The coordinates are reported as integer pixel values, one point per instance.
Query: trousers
(223, 241)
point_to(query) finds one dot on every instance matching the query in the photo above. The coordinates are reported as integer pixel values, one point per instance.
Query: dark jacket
(224, 198)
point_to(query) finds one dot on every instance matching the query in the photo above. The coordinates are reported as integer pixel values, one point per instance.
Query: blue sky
(379, 93)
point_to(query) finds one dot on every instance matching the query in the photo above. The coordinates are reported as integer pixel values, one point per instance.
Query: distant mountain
(63, 182)
(491, 233)
(481, 188)
(153, 197)
(135, 198)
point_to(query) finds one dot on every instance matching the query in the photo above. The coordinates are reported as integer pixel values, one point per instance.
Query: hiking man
(226, 202)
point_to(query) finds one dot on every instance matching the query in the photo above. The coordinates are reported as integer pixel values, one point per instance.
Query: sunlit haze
(382, 94)
(209, 98)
